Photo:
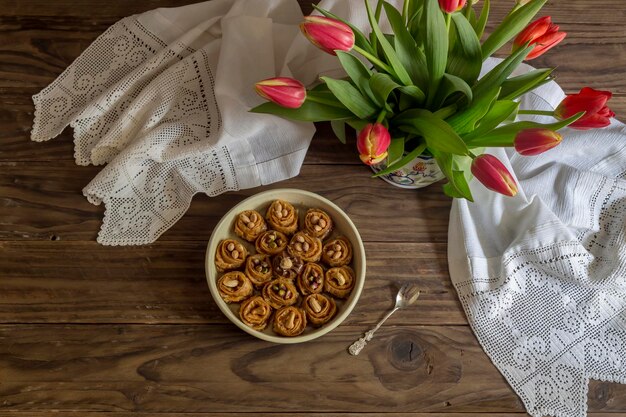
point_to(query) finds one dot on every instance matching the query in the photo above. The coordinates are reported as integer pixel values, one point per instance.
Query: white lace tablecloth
(162, 98)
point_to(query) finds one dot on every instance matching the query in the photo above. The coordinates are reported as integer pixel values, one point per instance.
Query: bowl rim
(358, 250)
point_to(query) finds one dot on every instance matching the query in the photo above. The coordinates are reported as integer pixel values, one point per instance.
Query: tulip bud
(534, 141)
(285, 92)
(328, 34)
(493, 174)
(372, 143)
(542, 34)
(592, 102)
(451, 6)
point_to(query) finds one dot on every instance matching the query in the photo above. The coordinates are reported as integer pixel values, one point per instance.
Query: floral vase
(420, 172)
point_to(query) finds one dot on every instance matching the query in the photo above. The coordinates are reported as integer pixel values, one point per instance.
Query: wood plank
(219, 369)
(165, 283)
(43, 201)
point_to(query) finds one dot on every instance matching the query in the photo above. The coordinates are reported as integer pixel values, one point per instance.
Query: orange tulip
(534, 141)
(493, 174)
(372, 143)
(542, 34)
(593, 103)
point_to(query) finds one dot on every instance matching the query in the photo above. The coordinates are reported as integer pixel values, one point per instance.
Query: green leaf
(339, 129)
(360, 39)
(481, 23)
(458, 186)
(437, 133)
(309, 112)
(500, 72)
(517, 86)
(396, 150)
(511, 26)
(324, 97)
(357, 124)
(436, 46)
(465, 60)
(505, 136)
(388, 50)
(452, 84)
(498, 113)
(466, 120)
(359, 74)
(415, 92)
(411, 57)
(402, 162)
(350, 97)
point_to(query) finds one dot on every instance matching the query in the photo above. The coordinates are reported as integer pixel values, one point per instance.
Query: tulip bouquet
(416, 91)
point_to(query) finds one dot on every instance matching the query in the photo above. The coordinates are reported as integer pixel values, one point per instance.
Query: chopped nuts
(245, 218)
(285, 213)
(337, 247)
(330, 253)
(235, 254)
(240, 248)
(279, 214)
(250, 225)
(254, 217)
(230, 247)
(300, 238)
(231, 283)
(298, 247)
(337, 255)
(306, 246)
(286, 263)
(279, 208)
(256, 261)
(315, 219)
(322, 223)
(318, 228)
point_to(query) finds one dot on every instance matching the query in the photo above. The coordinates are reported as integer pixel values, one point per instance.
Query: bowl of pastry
(286, 265)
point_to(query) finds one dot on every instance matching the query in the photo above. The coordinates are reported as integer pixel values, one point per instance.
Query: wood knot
(406, 353)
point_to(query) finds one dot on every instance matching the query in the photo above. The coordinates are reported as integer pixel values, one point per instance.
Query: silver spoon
(407, 295)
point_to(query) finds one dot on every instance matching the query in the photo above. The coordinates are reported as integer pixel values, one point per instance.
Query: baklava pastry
(317, 223)
(308, 248)
(234, 287)
(282, 216)
(289, 321)
(311, 280)
(337, 252)
(271, 242)
(319, 309)
(339, 282)
(287, 266)
(259, 269)
(249, 225)
(279, 293)
(255, 312)
(230, 255)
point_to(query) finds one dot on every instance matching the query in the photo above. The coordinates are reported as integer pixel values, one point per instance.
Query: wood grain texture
(162, 368)
(165, 283)
(43, 201)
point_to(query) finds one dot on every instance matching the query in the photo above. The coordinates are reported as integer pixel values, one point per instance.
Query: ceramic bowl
(302, 200)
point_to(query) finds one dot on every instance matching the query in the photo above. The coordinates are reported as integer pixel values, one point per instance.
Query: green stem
(468, 10)
(371, 58)
(448, 19)
(381, 116)
(537, 112)
(405, 11)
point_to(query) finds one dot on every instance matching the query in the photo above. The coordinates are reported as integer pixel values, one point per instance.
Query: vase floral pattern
(420, 172)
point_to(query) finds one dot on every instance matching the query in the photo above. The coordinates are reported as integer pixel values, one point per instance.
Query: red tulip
(534, 141)
(494, 175)
(451, 6)
(542, 33)
(372, 143)
(285, 92)
(592, 102)
(328, 34)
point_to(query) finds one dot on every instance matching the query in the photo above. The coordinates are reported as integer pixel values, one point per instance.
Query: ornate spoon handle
(356, 347)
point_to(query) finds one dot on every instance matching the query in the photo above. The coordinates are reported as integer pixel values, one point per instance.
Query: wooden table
(98, 331)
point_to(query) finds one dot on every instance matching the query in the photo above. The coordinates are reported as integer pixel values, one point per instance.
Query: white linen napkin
(542, 276)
